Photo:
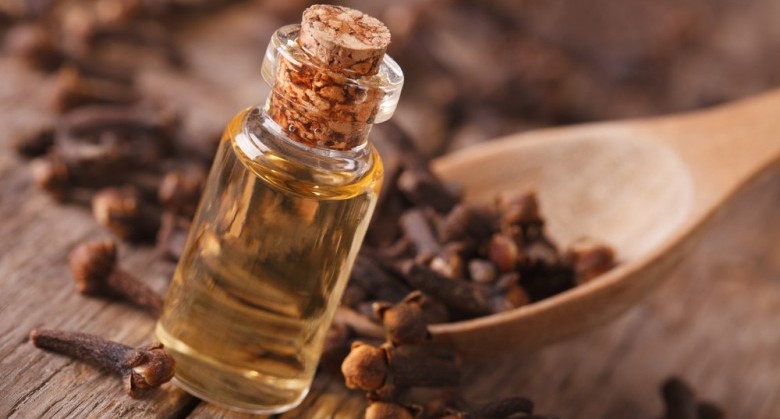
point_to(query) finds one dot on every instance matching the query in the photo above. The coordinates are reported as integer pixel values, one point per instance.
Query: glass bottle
(282, 217)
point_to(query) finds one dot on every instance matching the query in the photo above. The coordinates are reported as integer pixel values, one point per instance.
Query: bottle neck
(319, 107)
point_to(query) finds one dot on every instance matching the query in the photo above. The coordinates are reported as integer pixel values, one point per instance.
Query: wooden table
(712, 322)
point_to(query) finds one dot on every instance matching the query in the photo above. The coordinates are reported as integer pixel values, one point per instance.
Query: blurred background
(474, 70)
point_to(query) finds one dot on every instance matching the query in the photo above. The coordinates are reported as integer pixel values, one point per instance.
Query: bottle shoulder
(262, 147)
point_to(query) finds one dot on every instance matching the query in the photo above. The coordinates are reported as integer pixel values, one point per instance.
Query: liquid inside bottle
(267, 259)
(284, 212)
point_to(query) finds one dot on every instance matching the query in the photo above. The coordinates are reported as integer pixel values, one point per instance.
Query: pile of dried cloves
(110, 147)
(469, 260)
(407, 360)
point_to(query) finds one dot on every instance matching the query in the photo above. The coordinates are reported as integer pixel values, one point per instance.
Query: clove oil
(281, 220)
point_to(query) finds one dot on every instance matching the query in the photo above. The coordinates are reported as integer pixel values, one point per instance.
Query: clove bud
(458, 295)
(504, 253)
(365, 367)
(519, 209)
(141, 369)
(590, 259)
(35, 143)
(404, 322)
(95, 271)
(375, 369)
(125, 213)
(71, 89)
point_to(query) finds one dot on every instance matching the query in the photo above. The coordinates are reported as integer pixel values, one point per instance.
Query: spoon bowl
(648, 187)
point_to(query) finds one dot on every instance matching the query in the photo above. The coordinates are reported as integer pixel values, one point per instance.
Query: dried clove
(590, 259)
(61, 175)
(52, 174)
(509, 293)
(149, 34)
(95, 272)
(394, 140)
(376, 282)
(36, 143)
(141, 369)
(71, 89)
(89, 121)
(451, 260)
(405, 322)
(413, 176)
(542, 253)
(422, 366)
(504, 253)
(467, 222)
(371, 368)
(365, 367)
(519, 209)
(434, 312)
(458, 295)
(424, 189)
(544, 281)
(418, 230)
(126, 214)
(97, 148)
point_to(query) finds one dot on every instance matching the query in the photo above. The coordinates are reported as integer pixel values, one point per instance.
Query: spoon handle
(724, 147)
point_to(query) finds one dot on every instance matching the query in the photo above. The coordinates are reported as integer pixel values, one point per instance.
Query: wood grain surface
(713, 322)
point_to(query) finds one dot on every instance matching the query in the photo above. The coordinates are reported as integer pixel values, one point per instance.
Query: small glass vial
(282, 217)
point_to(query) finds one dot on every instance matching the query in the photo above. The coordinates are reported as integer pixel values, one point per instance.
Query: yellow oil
(265, 264)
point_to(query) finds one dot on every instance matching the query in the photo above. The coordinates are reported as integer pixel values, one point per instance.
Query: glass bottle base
(242, 389)
(247, 408)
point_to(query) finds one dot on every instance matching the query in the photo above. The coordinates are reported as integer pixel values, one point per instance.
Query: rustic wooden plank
(712, 322)
(327, 398)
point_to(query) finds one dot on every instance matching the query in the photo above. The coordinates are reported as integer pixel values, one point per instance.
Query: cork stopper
(344, 39)
(331, 79)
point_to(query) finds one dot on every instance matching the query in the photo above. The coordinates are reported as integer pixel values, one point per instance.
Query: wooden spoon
(648, 187)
